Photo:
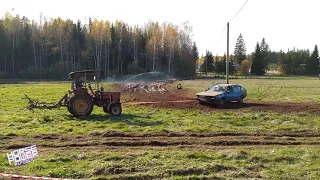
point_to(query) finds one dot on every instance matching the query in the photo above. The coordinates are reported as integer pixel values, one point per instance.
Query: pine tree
(195, 57)
(281, 60)
(3, 48)
(207, 65)
(265, 53)
(220, 65)
(313, 62)
(240, 50)
(257, 67)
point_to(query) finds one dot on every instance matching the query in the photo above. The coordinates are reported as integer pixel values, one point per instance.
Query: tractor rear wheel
(80, 106)
(115, 109)
(105, 109)
(69, 107)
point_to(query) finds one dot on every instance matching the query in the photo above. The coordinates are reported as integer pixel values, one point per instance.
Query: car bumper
(207, 99)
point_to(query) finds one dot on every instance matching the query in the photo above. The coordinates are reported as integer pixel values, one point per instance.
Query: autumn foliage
(245, 67)
(51, 48)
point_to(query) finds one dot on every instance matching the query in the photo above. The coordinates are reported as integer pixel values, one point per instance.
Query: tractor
(82, 96)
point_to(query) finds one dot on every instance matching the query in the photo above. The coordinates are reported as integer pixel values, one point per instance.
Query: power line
(239, 11)
(229, 22)
(220, 37)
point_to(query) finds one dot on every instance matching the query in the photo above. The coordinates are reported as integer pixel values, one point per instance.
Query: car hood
(209, 93)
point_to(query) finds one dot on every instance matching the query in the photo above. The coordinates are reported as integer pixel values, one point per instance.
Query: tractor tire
(80, 106)
(115, 109)
(69, 107)
(105, 109)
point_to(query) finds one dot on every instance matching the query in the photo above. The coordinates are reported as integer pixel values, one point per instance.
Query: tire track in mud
(249, 106)
(163, 101)
(161, 141)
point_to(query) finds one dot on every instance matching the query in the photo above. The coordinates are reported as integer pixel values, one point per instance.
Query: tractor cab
(81, 81)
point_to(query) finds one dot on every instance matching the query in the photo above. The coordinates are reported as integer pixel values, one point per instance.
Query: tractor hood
(210, 93)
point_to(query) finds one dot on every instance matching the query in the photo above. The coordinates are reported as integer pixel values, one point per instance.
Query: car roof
(229, 84)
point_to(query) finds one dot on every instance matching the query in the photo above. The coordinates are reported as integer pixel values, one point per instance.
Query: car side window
(235, 89)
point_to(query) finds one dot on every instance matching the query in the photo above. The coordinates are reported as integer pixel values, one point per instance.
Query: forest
(51, 48)
(291, 62)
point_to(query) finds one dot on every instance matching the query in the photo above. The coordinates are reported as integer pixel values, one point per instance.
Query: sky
(284, 24)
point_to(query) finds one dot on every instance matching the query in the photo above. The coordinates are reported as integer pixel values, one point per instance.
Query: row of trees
(293, 62)
(51, 48)
(299, 62)
(216, 64)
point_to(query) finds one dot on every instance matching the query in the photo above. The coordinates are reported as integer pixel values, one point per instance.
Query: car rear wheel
(241, 100)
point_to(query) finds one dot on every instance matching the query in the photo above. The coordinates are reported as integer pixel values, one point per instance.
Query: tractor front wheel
(115, 109)
(80, 106)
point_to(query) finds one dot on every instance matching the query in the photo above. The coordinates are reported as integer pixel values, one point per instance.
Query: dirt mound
(170, 95)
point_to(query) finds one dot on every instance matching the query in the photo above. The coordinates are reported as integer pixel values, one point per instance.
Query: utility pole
(227, 61)
(206, 64)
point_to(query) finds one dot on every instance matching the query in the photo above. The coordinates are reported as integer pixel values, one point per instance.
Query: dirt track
(163, 140)
(162, 102)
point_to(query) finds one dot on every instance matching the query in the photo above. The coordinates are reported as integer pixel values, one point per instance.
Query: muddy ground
(162, 140)
(162, 100)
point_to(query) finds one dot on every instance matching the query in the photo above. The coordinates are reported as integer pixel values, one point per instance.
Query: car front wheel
(222, 102)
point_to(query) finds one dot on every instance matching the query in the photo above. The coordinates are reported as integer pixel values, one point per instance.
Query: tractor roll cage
(86, 74)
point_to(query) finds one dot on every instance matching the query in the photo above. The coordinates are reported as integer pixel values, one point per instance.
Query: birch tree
(154, 43)
(108, 40)
(172, 43)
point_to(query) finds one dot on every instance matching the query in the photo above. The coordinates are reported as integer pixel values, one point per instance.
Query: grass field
(148, 142)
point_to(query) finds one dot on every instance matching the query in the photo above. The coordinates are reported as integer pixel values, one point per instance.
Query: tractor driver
(79, 82)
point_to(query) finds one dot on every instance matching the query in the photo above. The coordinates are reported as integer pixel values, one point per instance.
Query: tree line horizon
(51, 48)
(293, 62)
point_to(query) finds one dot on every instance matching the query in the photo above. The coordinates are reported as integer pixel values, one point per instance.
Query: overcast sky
(284, 23)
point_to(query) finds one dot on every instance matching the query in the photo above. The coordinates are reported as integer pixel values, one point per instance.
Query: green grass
(143, 163)
(16, 120)
(266, 163)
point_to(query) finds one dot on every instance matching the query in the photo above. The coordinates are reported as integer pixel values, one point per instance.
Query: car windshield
(218, 88)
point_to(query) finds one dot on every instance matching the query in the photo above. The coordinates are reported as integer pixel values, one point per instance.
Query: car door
(236, 93)
(228, 94)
